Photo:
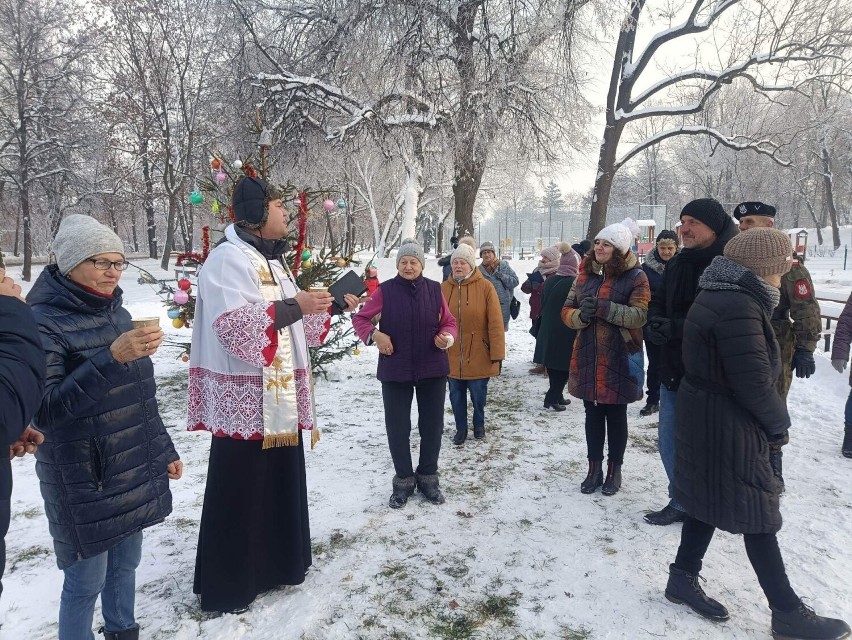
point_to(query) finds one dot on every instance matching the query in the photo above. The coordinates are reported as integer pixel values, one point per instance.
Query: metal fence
(526, 232)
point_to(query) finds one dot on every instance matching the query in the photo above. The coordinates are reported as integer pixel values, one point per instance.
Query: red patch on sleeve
(802, 289)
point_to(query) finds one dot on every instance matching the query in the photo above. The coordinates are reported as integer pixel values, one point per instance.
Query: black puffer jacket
(103, 464)
(675, 295)
(727, 404)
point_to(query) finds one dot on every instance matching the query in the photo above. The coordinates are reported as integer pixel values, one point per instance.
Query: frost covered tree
(470, 71)
(772, 46)
(41, 61)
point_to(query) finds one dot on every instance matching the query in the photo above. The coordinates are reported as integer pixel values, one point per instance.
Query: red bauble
(184, 284)
(215, 164)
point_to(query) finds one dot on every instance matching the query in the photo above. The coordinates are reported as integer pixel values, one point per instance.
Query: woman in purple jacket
(415, 330)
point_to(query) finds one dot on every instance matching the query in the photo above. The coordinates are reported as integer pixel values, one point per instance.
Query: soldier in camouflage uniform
(796, 320)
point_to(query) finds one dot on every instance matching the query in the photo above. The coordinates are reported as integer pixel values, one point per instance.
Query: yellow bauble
(177, 323)
(356, 351)
(307, 264)
(340, 262)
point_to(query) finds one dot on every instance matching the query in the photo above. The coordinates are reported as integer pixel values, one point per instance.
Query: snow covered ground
(516, 551)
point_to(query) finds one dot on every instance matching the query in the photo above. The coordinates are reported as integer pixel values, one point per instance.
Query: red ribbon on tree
(303, 231)
(205, 242)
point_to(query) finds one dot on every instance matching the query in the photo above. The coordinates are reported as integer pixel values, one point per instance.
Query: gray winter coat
(504, 280)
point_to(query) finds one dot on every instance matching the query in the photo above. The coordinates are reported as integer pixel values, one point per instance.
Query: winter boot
(429, 487)
(594, 478)
(479, 432)
(776, 456)
(847, 442)
(402, 490)
(538, 369)
(460, 437)
(127, 634)
(613, 480)
(556, 406)
(665, 516)
(649, 408)
(803, 624)
(683, 588)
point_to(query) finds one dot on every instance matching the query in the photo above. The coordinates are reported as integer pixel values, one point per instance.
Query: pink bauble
(221, 176)
(329, 205)
(181, 297)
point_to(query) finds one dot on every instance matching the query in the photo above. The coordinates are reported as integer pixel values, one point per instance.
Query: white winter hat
(81, 237)
(618, 235)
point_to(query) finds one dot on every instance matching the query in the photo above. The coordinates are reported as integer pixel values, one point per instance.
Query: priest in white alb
(250, 385)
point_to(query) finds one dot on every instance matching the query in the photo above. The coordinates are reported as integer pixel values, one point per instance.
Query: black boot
(803, 624)
(594, 478)
(847, 442)
(613, 480)
(402, 490)
(554, 405)
(127, 634)
(460, 436)
(666, 516)
(430, 488)
(479, 432)
(649, 408)
(683, 588)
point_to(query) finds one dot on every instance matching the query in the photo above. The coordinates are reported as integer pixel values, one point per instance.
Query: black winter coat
(676, 294)
(103, 464)
(554, 343)
(21, 388)
(21, 368)
(727, 407)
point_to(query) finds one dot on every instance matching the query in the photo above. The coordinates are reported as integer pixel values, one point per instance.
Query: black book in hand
(349, 282)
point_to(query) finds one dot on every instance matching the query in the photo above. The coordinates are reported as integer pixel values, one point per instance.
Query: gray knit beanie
(410, 247)
(487, 246)
(466, 253)
(81, 237)
(762, 250)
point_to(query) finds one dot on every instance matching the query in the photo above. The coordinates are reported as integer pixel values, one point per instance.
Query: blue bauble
(173, 314)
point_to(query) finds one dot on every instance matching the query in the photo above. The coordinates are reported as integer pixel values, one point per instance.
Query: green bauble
(306, 254)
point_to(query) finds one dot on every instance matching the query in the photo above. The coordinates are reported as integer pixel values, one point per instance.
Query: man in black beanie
(705, 229)
(796, 320)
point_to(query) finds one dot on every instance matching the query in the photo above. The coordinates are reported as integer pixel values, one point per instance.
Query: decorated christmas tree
(311, 267)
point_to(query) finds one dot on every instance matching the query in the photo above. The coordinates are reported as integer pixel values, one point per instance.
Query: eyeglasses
(104, 265)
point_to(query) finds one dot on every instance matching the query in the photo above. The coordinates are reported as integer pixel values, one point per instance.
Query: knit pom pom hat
(618, 235)
(466, 253)
(762, 250)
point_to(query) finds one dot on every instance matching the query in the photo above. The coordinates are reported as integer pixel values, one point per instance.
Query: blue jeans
(110, 575)
(666, 438)
(458, 399)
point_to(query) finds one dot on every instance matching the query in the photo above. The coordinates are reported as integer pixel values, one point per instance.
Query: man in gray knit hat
(500, 274)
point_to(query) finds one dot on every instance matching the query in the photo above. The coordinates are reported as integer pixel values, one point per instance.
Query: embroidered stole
(280, 401)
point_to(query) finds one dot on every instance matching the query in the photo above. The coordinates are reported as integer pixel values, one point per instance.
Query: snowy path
(516, 552)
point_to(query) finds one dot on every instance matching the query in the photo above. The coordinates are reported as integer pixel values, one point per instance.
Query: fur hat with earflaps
(250, 202)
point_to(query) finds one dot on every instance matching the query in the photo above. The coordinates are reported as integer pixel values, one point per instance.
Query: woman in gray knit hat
(106, 461)
(728, 412)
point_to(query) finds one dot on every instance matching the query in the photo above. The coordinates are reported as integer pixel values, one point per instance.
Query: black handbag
(514, 308)
(536, 325)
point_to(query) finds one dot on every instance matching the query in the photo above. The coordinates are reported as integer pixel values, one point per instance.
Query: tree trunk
(603, 181)
(828, 187)
(170, 232)
(465, 187)
(148, 197)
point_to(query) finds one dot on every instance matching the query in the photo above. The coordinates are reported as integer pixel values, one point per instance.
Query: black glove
(588, 308)
(659, 331)
(803, 363)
